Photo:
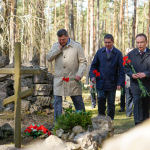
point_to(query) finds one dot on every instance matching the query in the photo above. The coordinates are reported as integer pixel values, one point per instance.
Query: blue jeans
(101, 97)
(77, 101)
(141, 108)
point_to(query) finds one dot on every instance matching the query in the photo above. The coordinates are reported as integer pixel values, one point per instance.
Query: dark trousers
(122, 98)
(141, 108)
(101, 97)
(77, 101)
(129, 102)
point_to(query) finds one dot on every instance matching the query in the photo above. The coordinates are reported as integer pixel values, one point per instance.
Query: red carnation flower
(124, 63)
(64, 79)
(91, 86)
(125, 82)
(125, 58)
(128, 61)
(35, 127)
(97, 74)
(94, 71)
(67, 79)
(28, 130)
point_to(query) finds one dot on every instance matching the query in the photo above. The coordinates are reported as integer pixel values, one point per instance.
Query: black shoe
(121, 110)
(93, 106)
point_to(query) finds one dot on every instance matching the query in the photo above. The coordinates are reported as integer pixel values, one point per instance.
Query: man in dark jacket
(109, 62)
(140, 59)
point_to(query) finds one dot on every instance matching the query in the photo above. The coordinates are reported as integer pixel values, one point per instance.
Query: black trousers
(141, 108)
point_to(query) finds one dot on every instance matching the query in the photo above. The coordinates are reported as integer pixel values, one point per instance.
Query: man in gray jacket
(70, 66)
(140, 59)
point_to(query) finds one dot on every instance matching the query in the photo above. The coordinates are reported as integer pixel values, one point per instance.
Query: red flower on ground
(67, 79)
(28, 130)
(125, 58)
(64, 78)
(94, 71)
(35, 127)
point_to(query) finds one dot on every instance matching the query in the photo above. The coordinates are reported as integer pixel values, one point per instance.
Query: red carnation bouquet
(127, 62)
(36, 130)
(69, 79)
(93, 90)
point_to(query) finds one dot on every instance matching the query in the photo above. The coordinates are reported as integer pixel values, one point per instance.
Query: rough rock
(7, 130)
(25, 105)
(103, 123)
(135, 139)
(77, 129)
(42, 89)
(59, 132)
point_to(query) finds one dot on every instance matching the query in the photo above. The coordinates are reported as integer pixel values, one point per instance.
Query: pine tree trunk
(120, 24)
(66, 15)
(71, 21)
(43, 52)
(91, 30)
(128, 27)
(78, 22)
(148, 24)
(87, 32)
(12, 29)
(114, 20)
(97, 27)
(134, 25)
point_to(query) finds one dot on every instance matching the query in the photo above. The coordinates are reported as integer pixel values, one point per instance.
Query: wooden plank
(30, 71)
(7, 71)
(23, 94)
(17, 135)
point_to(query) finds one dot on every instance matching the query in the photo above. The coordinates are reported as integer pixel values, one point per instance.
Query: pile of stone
(92, 139)
(42, 85)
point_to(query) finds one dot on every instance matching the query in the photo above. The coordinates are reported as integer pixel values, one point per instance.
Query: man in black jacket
(109, 62)
(140, 59)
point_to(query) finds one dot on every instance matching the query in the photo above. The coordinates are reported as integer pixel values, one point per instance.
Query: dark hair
(109, 36)
(62, 32)
(142, 34)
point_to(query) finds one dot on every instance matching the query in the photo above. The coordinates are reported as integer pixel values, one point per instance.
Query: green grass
(121, 122)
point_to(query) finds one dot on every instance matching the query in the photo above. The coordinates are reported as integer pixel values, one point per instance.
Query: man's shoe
(121, 110)
(93, 106)
(51, 128)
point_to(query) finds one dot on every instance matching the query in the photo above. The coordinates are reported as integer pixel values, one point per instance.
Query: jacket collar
(147, 51)
(114, 49)
(71, 43)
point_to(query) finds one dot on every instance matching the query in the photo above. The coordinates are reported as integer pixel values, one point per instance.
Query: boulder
(103, 123)
(7, 130)
(77, 129)
(135, 139)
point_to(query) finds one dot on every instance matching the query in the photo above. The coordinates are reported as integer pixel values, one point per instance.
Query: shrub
(72, 118)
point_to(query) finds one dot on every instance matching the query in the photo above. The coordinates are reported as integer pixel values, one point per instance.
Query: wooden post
(17, 71)
(17, 135)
